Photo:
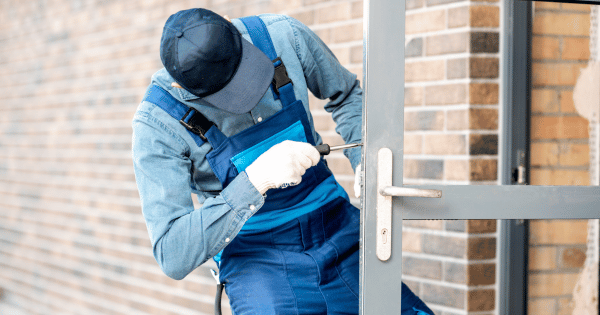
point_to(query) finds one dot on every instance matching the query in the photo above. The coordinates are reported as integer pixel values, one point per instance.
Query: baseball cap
(208, 57)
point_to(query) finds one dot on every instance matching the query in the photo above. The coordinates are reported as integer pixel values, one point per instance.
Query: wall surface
(559, 150)
(72, 72)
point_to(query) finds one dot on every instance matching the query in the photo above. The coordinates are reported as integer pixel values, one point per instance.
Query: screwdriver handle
(323, 149)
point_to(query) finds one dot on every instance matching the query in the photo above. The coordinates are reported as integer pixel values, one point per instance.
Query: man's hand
(284, 163)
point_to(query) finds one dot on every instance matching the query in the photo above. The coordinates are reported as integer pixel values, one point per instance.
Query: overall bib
(298, 254)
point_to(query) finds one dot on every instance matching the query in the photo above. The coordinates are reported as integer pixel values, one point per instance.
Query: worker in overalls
(228, 119)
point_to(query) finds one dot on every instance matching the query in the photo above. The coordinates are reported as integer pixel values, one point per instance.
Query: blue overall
(299, 253)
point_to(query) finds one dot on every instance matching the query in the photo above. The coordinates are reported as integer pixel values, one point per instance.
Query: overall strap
(281, 85)
(197, 125)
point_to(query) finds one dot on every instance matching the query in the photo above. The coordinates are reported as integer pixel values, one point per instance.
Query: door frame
(513, 235)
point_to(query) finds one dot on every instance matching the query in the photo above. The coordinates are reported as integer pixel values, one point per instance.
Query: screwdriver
(325, 149)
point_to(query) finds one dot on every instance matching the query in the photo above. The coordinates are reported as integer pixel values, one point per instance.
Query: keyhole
(384, 234)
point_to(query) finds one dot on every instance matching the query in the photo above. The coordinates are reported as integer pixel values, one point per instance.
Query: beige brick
(561, 24)
(347, 33)
(306, 17)
(555, 73)
(545, 47)
(483, 93)
(411, 242)
(573, 257)
(446, 44)
(412, 144)
(425, 120)
(356, 54)
(457, 120)
(565, 306)
(425, 224)
(544, 153)
(543, 5)
(456, 170)
(558, 232)
(559, 177)
(542, 258)
(484, 16)
(357, 9)
(576, 49)
(548, 127)
(458, 17)
(483, 118)
(445, 94)
(424, 71)
(574, 154)
(567, 105)
(456, 68)
(425, 22)
(413, 96)
(541, 306)
(541, 285)
(576, 7)
(336, 12)
(544, 101)
(442, 144)
(483, 170)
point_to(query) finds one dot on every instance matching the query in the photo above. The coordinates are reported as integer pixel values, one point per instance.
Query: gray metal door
(381, 244)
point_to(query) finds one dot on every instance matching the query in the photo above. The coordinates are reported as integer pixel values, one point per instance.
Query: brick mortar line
(465, 157)
(443, 283)
(557, 115)
(460, 55)
(457, 30)
(450, 82)
(446, 233)
(561, 61)
(422, 181)
(348, 44)
(179, 292)
(453, 5)
(560, 36)
(96, 65)
(446, 108)
(562, 141)
(327, 25)
(57, 99)
(463, 261)
(560, 168)
(80, 81)
(454, 132)
(42, 299)
(52, 279)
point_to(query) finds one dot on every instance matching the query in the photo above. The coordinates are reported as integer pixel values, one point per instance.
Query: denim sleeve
(326, 78)
(182, 237)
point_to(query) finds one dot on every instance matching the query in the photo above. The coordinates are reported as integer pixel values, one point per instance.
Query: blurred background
(72, 72)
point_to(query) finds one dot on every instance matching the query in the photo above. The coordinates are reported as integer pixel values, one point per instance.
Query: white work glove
(357, 181)
(282, 164)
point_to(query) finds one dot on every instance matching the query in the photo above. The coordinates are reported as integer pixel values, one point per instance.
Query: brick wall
(72, 237)
(451, 137)
(559, 150)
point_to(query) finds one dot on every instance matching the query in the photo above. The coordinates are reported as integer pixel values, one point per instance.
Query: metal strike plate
(385, 192)
(384, 205)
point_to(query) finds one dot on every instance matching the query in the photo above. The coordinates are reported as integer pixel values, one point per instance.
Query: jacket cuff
(354, 155)
(242, 196)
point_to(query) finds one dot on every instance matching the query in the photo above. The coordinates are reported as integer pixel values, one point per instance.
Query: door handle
(385, 192)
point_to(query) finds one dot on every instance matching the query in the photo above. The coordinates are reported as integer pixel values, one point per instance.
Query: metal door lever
(385, 192)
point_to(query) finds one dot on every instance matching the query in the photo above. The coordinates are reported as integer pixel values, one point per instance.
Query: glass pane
(563, 254)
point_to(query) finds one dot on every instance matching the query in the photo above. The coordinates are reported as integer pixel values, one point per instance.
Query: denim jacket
(170, 166)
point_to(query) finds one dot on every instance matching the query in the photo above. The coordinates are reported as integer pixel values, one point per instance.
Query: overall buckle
(197, 123)
(280, 77)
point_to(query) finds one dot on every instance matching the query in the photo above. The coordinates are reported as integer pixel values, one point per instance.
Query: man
(228, 119)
